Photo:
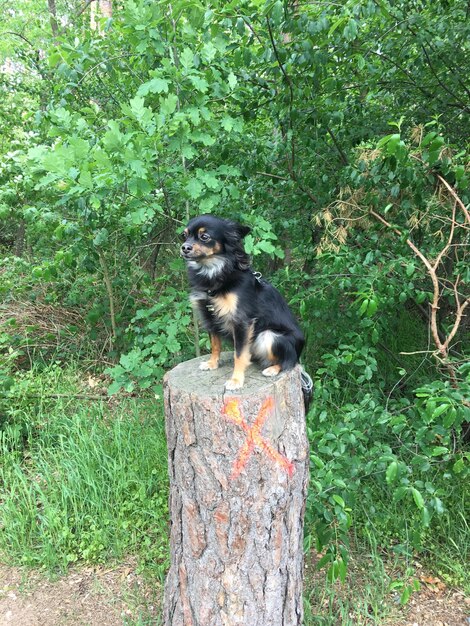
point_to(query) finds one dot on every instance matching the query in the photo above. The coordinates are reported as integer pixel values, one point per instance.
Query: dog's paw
(209, 365)
(272, 371)
(234, 383)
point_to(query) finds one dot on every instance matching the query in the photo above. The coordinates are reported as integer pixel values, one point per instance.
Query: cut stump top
(220, 420)
(189, 378)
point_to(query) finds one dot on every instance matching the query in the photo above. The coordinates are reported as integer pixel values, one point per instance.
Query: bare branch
(442, 346)
(458, 315)
(456, 197)
(10, 32)
(83, 9)
(449, 241)
(272, 175)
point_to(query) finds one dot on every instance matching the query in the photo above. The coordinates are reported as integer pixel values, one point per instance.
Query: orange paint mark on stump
(254, 439)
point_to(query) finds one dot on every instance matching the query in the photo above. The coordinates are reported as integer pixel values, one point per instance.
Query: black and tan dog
(234, 302)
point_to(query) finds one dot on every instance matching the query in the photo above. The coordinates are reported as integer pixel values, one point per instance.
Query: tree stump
(238, 465)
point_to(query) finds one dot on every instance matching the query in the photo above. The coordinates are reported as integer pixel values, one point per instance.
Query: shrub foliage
(338, 132)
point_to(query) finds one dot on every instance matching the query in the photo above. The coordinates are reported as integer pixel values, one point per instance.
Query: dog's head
(211, 242)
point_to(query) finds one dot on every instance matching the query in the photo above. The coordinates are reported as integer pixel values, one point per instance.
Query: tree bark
(100, 9)
(238, 465)
(20, 239)
(53, 17)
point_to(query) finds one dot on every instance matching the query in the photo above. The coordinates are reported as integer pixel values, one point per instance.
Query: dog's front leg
(242, 335)
(216, 347)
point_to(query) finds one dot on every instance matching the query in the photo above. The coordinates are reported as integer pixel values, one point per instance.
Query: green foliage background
(332, 130)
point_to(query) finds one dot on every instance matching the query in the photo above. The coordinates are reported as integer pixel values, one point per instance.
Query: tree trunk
(53, 17)
(100, 9)
(238, 465)
(20, 239)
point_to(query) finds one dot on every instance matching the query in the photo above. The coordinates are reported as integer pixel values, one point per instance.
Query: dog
(234, 302)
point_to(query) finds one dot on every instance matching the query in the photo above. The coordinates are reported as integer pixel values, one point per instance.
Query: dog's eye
(184, 236)
(204, 237)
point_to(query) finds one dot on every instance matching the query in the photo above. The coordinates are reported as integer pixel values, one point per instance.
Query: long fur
(234, 304)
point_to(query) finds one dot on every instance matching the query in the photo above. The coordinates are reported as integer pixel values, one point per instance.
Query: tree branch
(456, 197)
(442, 346)
(342, 154)
(290, 159)
(83, 9)
(10, 32)
(443, 85)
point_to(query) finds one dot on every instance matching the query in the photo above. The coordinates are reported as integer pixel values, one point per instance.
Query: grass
(82, 480)
(365, 599)
(86, 481)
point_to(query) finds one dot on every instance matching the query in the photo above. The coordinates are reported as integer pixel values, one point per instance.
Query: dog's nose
(186, 248)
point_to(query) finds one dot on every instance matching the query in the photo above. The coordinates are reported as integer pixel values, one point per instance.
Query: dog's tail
(307, 387)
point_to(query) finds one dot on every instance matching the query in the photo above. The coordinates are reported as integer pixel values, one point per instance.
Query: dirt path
(435, 608)
(119, 596)
(85, 597)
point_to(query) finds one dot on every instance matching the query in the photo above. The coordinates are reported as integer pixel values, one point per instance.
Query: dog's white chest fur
(209, 268)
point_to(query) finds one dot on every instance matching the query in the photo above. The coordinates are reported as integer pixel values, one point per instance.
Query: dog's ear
(243, 230)
(233, 238)
(239, 230)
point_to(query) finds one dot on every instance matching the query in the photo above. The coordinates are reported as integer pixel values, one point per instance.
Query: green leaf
(406, 594)
(232, 80)
(194, 115)
(343, 570)
(364, 306)
(131, 360)
(440, 410)
(249, 244)
(399, 493)
(317, 461)
(393, 143)
(194, 188)
(410, 269)
(227, 123)
(137, 105)
(85, 179)
(275, 10)
(208, 52)
(449, 418)
(199, 83)
(138, 167)
(114, 387)
(266, 246)
(392, 472)
(168, 104)
(209, 202)
(188, 151)
(439, 450)
(372, 308)
(339, 500)
(209, 179)
(333, 572)
(350, 30)
(375, 336)
(101, 237)
(418, 498)
(337, 24)
(425, 516)
(326, 558)
(187, 58)
(156, 85)
(204, 138)
(428, 138)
